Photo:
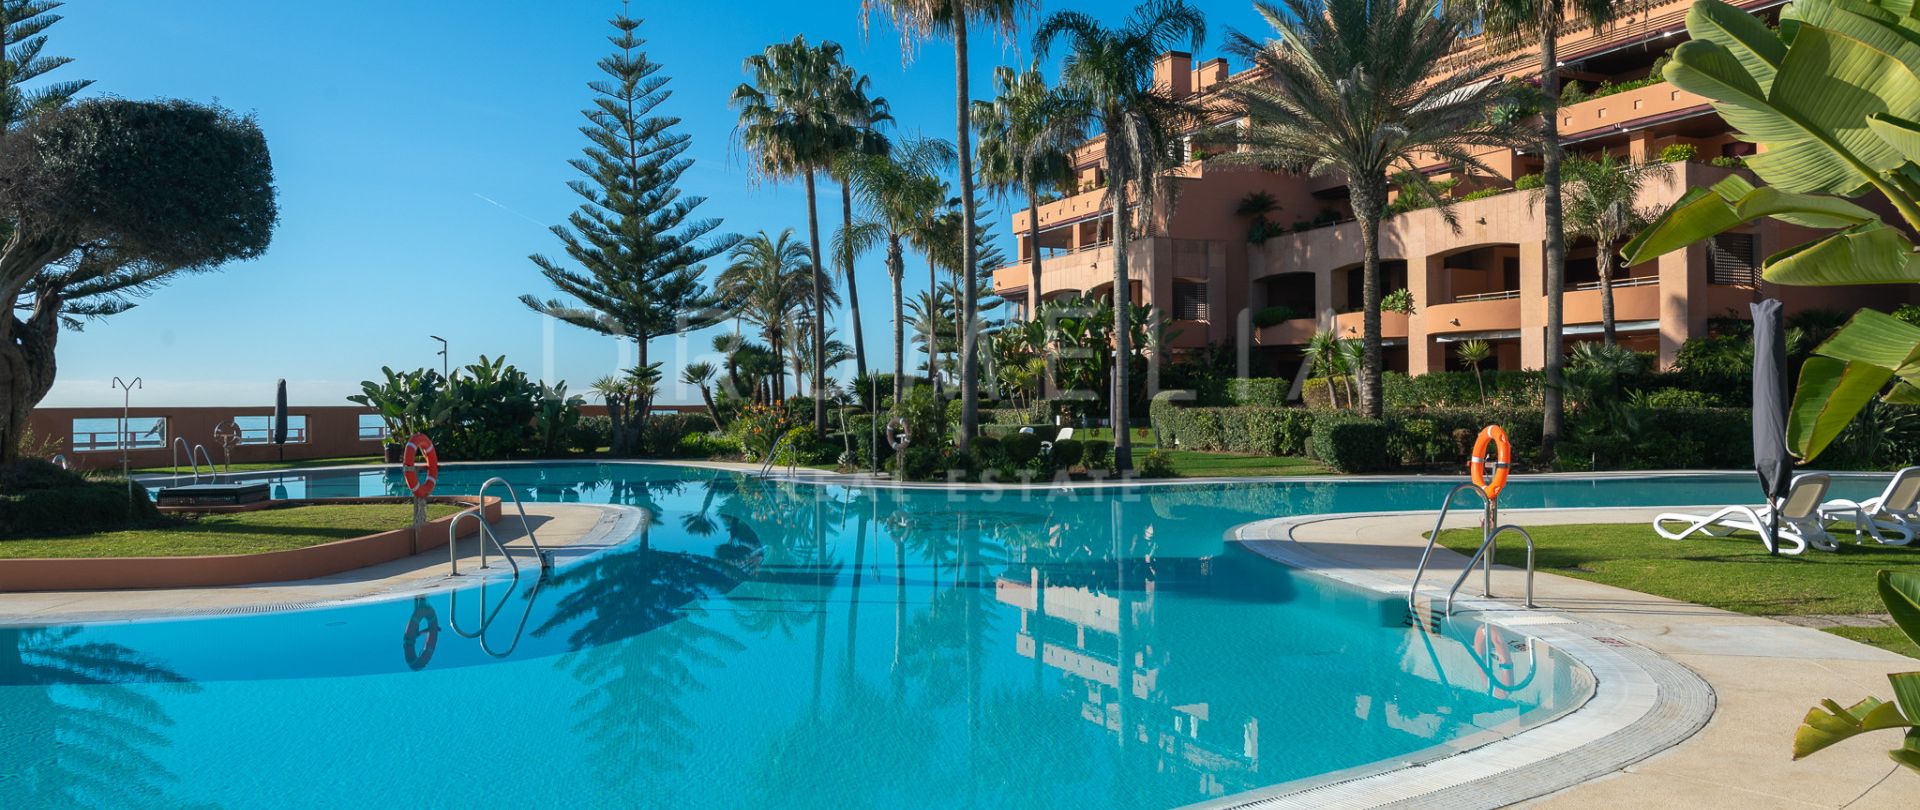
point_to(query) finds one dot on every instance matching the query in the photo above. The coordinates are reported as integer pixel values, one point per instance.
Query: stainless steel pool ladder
(200, 451)
(773, 455)
(1490, 530)
(486, 529)
(60, 460)
(179, 443)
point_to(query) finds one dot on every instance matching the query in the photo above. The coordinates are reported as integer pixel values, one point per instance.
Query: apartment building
(1485, 280)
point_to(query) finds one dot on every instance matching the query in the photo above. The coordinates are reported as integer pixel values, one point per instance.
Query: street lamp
(443, 354)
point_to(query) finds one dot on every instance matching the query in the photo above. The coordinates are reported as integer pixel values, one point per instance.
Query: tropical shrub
(1400, 300)
(1730, 162)
(1021, 448)
(39, 499)
(590, 434)
(1273, 316)
(1679, 153)
(1068, 453)
(1157, 463)
(1098, 455)
(1483, 194)
(758, 428)
(555, 416)
(1528, 182)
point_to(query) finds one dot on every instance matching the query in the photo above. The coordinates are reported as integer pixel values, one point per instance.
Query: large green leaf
(1827, 723)
(1906, 692)
(1900, 592)
(1812, 116)
(1830, 393)
(1875, 337)
(1908, 754)
(1733, 202)
(1742, 35)
(1864, 254)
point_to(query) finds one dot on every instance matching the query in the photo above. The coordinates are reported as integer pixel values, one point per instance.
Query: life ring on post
(899, 435)
(418, 447)
(424, 623)
(1502, 464)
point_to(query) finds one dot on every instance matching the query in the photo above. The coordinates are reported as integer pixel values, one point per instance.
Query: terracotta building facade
(1200, 266)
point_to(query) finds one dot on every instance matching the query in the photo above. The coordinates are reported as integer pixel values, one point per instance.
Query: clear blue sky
(420, 149)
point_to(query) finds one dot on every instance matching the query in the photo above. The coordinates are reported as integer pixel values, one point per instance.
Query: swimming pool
(801, 645)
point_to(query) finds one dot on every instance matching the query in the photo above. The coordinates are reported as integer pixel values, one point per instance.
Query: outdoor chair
(1065, 434)
(1801, 522)
(1890, 517)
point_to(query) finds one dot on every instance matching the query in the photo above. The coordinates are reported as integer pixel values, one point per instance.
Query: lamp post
(126, 405)
(444, 368)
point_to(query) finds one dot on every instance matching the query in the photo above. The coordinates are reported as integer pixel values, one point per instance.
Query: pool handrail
(1426, 554)
(200, 451)
(486, 535)
(174, 459)
(540, 554)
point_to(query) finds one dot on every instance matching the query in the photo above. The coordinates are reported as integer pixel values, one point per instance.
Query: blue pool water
(800, 646)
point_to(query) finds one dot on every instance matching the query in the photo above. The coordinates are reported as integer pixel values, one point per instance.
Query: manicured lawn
(257, 466)
(1195, 464)
(1733, 573)
(241, 533)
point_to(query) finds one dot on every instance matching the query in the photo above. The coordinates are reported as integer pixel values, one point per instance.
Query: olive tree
(104, 201)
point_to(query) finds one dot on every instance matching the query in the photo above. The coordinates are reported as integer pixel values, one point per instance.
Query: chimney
(1208, 74)
(1174, 71)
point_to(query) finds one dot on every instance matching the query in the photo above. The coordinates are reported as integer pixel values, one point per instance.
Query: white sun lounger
(1801, 524)
(1890, 517)
(1065, 434)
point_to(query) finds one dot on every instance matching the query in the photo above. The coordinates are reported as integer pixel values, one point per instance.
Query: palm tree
(1028, 134)
(1473, 353)
(1357, 88)
(919, 19)
(790, 119)
(1602, 204)
(764, 281)
(1110, 72)
(728, 345)
(862, 115)
(1542, 21)
(899, 190)
(700, 375)
(932, 316)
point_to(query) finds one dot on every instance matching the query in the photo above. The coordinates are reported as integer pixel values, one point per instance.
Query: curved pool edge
(1643, 703)
(618, 528)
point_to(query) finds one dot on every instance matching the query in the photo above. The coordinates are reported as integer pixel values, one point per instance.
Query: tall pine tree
(640, 251)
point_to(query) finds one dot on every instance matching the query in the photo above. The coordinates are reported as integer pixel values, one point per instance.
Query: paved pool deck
(1764, 675)
(569, 531)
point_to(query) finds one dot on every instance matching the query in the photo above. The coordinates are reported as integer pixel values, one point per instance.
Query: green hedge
(1350, 443)
(1261, 391)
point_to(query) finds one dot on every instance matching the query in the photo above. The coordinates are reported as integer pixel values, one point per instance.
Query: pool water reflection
(794, 645)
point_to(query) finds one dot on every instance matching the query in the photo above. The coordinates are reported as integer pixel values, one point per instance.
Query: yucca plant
(1473, 353)
(1833, 97)
(1828, 723)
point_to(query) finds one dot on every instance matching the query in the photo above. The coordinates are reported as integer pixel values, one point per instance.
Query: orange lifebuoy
(1495, 435)
(420, 445)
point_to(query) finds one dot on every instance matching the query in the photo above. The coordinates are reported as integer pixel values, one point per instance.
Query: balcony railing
(1635, 281)
(1500, 295)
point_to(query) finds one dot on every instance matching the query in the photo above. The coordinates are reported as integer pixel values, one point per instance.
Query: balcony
(1077, 271)
(1291, 332)
(1486, 315)
(1348, 326)
(1634, 299)
(1619, 108)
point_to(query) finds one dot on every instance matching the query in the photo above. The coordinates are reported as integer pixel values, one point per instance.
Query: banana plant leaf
(1828, 723)
(1731, 203)
(1900, 592)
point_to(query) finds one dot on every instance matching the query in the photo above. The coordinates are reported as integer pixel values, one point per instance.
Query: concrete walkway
(1765, 675)
(569, 531)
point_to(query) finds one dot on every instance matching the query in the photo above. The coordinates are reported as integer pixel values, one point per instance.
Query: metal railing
(1631, 281)
(1491, 530)
(487, 617)
(1497, 295)
(200, 451)
(486, 536)
(546, 560)
(773, 455)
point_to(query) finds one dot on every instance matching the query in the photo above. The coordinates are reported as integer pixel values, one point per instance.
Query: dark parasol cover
(1770, 403)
